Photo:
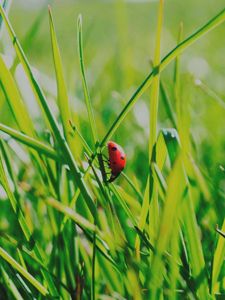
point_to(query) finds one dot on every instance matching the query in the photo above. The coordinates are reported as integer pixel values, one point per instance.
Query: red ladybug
(117, 159)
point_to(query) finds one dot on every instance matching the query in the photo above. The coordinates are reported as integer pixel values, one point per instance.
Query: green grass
(157, 232)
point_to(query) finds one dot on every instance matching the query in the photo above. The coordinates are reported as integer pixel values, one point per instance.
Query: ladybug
(117, 160)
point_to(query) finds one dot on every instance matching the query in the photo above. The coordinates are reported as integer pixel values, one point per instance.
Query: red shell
(117, 159)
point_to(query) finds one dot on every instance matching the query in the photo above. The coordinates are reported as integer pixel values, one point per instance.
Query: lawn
(149, 76)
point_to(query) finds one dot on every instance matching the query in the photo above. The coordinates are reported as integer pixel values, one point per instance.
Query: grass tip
(79, 20)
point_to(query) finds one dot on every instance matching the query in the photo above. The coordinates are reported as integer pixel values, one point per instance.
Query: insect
(117, 160)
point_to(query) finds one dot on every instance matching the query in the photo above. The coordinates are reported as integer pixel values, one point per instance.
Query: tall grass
(66, 233)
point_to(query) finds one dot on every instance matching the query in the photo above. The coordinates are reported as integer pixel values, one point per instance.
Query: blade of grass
(174, 267)
(123, 204)
(31, 256)
(150, 197)
(210, 25)
(210, 93)
(154, 103)
(63, 100)
(154, 95)
(169, 215)
(134, 188)
(13, 97)
(30, 142)
(6, 5)
(167, 104)
(30, 36)
(93, 267)
(218, 260)
(7, 158)
(167, 144)
(84, 81)
(190, 223)
(194, 245)
(78, 219)
(23, 272)
(21, 114)
(10, 284)
(177, 78)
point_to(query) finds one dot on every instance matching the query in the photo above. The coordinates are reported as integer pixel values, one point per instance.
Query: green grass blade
(169, 216)
(78, 219)
(10, 284)
(167, 104)
(177, 76)
(16, 104)
(30, 142)
(154, 96)
(210, 25)
(160, 180)
(30, 36)
(173, 266)
(142, 219)
(218, 260)
(150, 195)
(63, 100)
(194, 246)
(15, 205)
(6, 5)
(123, 204)
(211, 93)
(23, 272)
(84, 81)
(154, 103)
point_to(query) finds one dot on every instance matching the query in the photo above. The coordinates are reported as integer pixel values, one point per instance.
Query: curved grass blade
(30, 142)
(210, 25)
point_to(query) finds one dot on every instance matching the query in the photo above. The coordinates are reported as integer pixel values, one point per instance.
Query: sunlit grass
(65, 232)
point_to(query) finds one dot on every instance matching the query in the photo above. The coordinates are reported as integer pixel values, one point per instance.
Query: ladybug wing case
(117, 160)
